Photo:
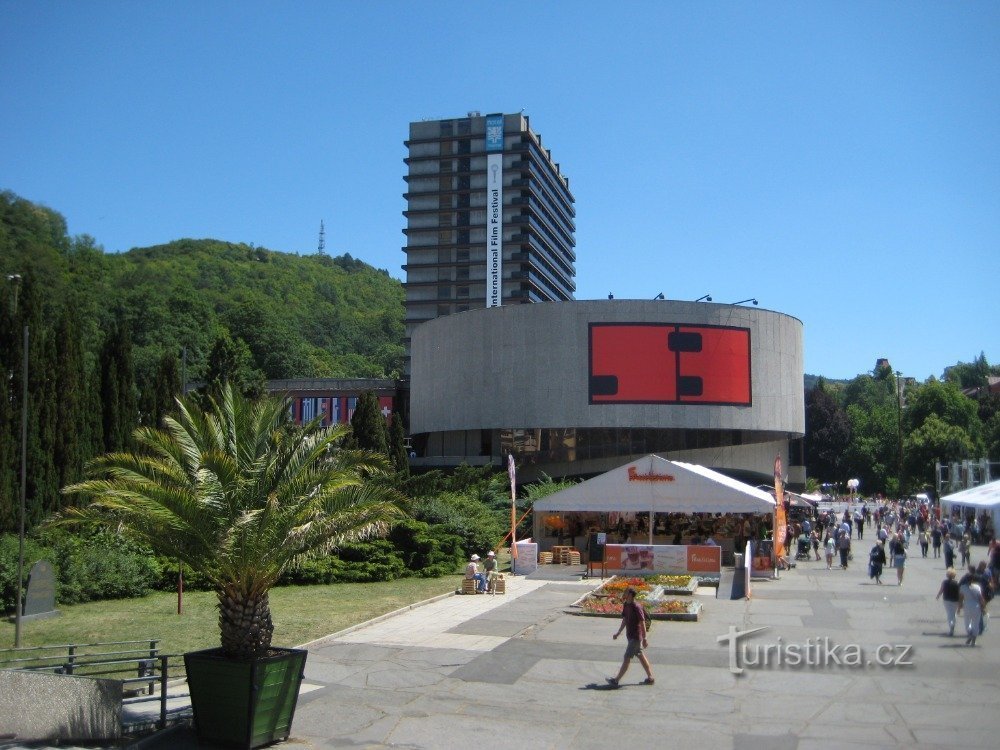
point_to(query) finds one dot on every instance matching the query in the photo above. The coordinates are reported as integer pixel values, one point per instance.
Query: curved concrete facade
(730, 375)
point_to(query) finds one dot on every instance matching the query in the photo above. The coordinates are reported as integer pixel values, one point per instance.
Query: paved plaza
(521, 670)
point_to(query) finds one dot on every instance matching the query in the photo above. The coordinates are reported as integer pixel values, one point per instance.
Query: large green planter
(245, 704)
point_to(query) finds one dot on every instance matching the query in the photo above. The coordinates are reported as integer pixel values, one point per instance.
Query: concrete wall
(526, 366)
(38, 706)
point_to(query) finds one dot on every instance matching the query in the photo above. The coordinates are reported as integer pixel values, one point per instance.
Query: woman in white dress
(971, 601)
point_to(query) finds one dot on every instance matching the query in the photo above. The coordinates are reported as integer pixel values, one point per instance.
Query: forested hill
(298, 316)
(107, 332)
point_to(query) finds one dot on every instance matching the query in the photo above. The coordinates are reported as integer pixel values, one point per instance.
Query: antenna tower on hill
(322, 238)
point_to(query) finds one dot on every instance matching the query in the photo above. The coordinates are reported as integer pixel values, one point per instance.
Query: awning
(984, 498)
(654, 484)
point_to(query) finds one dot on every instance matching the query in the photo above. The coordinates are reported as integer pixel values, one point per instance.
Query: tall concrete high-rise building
(489, 218)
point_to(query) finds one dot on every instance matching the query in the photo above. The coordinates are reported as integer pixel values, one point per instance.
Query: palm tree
(237, 493)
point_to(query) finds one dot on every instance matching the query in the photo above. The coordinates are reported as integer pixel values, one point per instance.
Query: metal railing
(145, 666)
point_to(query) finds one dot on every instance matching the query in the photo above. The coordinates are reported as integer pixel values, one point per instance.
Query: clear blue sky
(838, 161)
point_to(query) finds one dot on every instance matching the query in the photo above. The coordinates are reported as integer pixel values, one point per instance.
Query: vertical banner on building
(494, 210)
(780, 525)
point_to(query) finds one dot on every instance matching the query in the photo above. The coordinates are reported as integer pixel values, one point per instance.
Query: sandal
(649, 681)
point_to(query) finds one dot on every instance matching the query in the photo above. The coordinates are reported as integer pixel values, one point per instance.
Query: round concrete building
(577, 388)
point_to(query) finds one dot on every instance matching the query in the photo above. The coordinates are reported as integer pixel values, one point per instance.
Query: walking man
(634, 625)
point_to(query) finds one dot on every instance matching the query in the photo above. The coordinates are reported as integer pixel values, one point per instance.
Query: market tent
(801, 501)
(655, 485)
(984, 498)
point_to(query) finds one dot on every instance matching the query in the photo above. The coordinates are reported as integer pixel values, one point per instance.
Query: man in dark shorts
(634, 625)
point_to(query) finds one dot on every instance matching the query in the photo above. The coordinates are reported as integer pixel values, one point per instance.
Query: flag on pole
(779, 510)
(512, 473)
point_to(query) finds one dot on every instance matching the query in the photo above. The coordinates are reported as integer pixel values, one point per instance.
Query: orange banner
(780, 524)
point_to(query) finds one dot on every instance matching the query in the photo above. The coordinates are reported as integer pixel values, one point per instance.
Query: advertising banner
(660, 363)
(494, 230)
(494, 133)
(780, 524)
(675, 559)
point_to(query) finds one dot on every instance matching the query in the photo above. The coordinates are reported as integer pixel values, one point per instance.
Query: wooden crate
(469, 586)
(499, 585)
(544, 558)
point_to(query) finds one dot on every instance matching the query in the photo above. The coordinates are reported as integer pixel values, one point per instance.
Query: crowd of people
(895, 525)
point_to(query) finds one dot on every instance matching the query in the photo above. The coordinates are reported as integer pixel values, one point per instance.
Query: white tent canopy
(655, 485)
(984, 498)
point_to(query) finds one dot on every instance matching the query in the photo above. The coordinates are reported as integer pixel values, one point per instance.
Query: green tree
(969, 375)
(368, 425)
(935, 440)
(230, 362)
(946, 401)
(118, 391)
(828, 433)
(237, 494)
(160, 399)
(397, 444)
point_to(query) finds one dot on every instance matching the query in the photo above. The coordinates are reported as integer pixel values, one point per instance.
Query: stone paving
(522, 670)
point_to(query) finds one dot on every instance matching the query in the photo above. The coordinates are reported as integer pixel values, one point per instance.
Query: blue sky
(838, 161)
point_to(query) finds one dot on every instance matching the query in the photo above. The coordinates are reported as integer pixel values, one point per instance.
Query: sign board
(675, 559)
(527, 558)
(40, 599)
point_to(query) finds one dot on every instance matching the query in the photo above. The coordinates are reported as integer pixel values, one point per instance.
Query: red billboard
(663, 363)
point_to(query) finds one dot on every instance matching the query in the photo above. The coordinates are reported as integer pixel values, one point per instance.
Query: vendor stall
(654, 501)
(980, 501)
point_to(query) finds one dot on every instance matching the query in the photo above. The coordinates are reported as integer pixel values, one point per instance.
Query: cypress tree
(166, 387)
(70, 451)
(118, 392)
(397, 444)
(368, 424)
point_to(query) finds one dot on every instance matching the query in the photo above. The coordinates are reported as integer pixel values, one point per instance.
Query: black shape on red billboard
(662, 363)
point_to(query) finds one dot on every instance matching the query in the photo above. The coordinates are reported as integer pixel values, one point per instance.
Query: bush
(167, 580)
(101, 565)
(33, 552)
(359, 562)
(479, 527)
(427, 551)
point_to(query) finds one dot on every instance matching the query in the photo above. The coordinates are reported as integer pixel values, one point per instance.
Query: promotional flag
(779, 511)
(512, 473)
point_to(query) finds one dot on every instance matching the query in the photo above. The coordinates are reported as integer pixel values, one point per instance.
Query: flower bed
(659, 609)
(607, 600)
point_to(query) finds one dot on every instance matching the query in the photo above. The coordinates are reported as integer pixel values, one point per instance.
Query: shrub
(427, 551)
(100, 565)
(33, 552)
(358, 562)
(479, 527)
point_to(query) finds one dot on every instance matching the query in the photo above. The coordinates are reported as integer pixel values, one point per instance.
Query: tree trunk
(245, 624)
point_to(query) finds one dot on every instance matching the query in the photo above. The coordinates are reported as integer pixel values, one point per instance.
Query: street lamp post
(899, 430)
(15, 279)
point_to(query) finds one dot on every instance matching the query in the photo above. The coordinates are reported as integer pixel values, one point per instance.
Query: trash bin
(739, 560)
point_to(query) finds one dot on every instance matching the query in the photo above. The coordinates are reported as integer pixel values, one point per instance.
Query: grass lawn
(301, 614)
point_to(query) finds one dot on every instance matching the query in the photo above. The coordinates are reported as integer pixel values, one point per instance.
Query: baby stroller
(804, 546)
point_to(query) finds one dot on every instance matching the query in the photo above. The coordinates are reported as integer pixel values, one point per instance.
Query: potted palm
(236, 492)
